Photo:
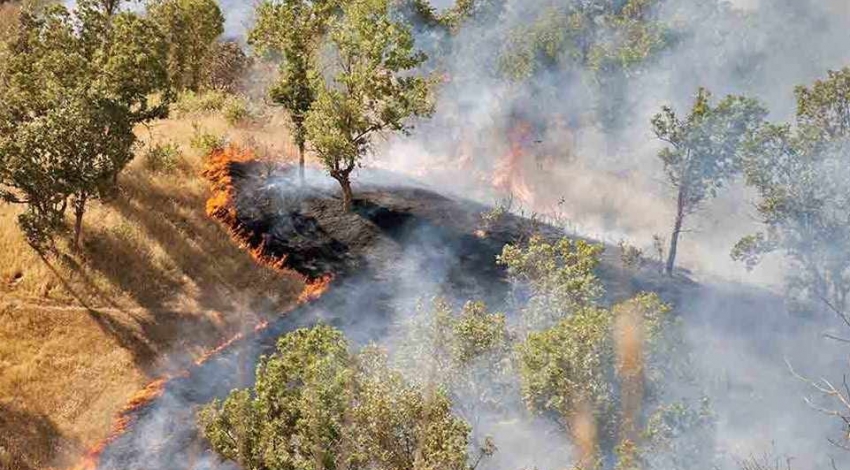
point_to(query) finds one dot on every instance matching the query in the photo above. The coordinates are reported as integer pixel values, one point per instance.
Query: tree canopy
(74, 84)
(317, 406)
(371, 88)
(704, 152)
(800, 173)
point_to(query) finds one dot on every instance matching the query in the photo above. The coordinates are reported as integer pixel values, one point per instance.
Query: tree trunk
(677, 230)
(301, 163)
(347, 196)
(79, 211)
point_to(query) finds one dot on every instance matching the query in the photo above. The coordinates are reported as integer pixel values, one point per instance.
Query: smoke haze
(605, 182)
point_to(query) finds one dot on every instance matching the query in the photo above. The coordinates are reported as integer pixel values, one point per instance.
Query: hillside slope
(156, 285)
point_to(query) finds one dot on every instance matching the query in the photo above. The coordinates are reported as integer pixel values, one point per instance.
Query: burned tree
(703, 152)
(370, 90)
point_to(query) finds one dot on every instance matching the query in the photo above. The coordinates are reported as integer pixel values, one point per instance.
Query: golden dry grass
(156, 284)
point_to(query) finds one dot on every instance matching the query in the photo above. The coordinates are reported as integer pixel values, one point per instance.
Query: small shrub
(162, 158)
(191, 103)
(631, 256)
(236, 110)
(207, 142)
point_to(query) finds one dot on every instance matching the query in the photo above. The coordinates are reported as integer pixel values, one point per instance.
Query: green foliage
(317, 406)
(801, 176)
(206, 142)
(467, 353)
(573, 366)
(566, 367)
(162, 158)
(191, 28)
(292, 30)
(371, 88)
(559, 277)
(602, 38)
(704, 151)
(74, 85)
(192, 103)
(237, 110)
(678, 434)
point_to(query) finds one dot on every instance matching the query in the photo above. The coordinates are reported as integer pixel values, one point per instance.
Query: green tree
(556, 278)
(703, 152)
(191, 28)
(293, 31)
(318, 406)
(74, 86)
(466, 352)
(227, 65)
(371, 88)
(801, 174)
(587, 366)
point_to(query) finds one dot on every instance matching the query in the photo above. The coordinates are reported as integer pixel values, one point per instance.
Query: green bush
(162, 158)
(207, 142)
(236, 110)
(191, 103)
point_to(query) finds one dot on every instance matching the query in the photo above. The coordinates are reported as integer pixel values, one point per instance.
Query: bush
(162, 157)
(207, 142)
(228, 64)
(191, 103)
(236, 110)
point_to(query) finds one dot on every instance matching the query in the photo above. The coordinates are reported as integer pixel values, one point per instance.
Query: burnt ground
(401, 243)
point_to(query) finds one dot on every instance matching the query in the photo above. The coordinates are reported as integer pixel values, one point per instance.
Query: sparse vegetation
(162, 157)
(206, 142)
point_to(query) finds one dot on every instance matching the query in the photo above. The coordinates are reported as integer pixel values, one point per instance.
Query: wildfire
(123, 420)
(220, 206)
(509, 175)
(314, 289)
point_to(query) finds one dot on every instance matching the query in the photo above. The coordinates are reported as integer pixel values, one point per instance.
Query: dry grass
(156, 284)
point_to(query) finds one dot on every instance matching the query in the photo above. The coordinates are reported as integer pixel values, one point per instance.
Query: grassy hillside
(156, 284)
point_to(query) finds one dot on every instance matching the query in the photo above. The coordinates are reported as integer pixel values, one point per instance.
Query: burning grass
(81, 334)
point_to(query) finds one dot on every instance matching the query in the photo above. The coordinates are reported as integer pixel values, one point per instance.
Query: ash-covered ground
(403, 243)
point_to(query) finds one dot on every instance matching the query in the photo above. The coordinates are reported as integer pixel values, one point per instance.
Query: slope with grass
(156, 285)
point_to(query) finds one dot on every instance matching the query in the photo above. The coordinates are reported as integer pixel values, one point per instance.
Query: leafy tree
(467, 353)
(74, 85)
(190, 28)
(703, 152)
(317, 406)
(600, 36)
(600, 372)
(227, 65)
(801, 174)
(370, 90)
(293, 30)
(555, 278)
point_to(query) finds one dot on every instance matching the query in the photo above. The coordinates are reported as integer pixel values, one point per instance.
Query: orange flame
(509, 175)
(123, 420)
(221, 207)
(314, 289)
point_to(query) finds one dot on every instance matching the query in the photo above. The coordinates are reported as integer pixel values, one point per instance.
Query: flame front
(220, 206)
(509, 176)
